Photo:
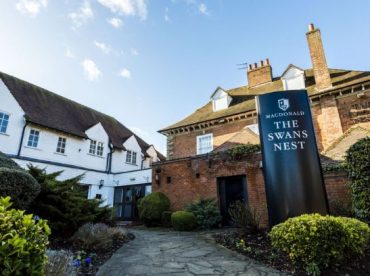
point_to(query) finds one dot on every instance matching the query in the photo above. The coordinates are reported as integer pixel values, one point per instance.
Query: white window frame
(100, 149)
(61, 145)
(92, 148)
(3, 120)
(129, 156)
(199, 149)
(34, 143)
(134, 158)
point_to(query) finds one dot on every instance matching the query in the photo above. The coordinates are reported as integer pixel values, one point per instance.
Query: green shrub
(97, 237)
(245, 218)
(6, 162)
(316, 242)
(206, 212)
(64, 204)
(23, 242)
(151, 208)
(19, 185)
(183, 221)
(358, 166)
(166, 218)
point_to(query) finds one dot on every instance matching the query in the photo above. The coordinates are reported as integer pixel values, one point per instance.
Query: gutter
(22, 136)
(109, 158)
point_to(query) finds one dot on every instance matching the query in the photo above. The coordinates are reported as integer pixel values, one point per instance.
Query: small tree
(358, 166)
(64, 204)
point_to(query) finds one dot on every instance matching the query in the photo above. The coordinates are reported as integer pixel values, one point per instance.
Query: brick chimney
(319, 65)
(259, 73)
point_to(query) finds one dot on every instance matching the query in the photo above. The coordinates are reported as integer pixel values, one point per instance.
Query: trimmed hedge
(316, 242)
(206, 212)
(358, 166)
(23, 242)
(19, 185)
(183, 221)
(151, 208)
(6, 162)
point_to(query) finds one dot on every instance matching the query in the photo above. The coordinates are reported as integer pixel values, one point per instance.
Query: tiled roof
(53, 111)
(243, 97)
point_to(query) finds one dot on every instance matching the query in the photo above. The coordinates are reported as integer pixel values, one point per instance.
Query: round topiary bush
(358, 167)
(183, 221)
(19, 185)
(151, 208)
(6, 162)
(23, 242)
(316, 242)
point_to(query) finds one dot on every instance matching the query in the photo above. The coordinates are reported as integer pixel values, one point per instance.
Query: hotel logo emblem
(283, 104)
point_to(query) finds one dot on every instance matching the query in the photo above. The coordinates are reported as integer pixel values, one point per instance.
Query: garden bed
(98, 258)
(258, 247)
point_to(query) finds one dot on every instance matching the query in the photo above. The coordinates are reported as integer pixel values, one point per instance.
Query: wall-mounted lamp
(157, 179)
(132, 179)
(101, 183)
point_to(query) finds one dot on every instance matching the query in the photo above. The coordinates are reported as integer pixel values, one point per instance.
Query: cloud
(103, 47)
(166, 16)
(69, 54)
(115, 22)
(125, 73)
(203, 9)
(134, 52)
(31, 7)
(91, 71)
(127, 7)
(139, 131)
(82, 16)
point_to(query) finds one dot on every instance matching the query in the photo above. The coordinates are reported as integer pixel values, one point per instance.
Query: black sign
(291, 164)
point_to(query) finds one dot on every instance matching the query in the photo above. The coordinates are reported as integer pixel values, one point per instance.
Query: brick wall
(194, 178)
(184, 144)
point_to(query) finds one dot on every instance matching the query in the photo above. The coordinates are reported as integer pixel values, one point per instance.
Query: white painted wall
(293, 79)
(9, 142)
(220, 100)
(76, 153)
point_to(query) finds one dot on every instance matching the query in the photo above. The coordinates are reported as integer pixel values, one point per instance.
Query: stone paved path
(178, 253)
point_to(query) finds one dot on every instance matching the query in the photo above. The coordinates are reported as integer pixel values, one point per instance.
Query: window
(134, 156)
(33, 139)
(61, 146)
(4, 120)
(92, 149)
(204, 143)
(100, 149)
(131, 157)
(128, 156)
(98, 196)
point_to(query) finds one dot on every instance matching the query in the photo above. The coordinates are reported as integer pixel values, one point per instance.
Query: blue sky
(149, 63)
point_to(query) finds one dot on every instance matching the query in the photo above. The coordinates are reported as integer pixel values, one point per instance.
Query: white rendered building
(49, 131)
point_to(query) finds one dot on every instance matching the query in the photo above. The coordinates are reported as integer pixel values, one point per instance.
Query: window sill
(102, 157)
(4, 133)
(58, 153)
(131, 164)
(34, 148)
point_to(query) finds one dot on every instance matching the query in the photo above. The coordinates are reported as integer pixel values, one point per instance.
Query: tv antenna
(242, 66)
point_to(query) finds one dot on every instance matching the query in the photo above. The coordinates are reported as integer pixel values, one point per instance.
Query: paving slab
(179, 253)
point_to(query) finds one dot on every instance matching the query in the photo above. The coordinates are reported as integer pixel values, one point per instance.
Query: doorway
(231, 189)
(125, 201)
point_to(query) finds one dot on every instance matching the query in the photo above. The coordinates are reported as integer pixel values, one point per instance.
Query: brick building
(340, 104)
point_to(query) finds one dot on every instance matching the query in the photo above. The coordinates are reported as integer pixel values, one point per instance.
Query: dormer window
(293, 78)
(220, 99)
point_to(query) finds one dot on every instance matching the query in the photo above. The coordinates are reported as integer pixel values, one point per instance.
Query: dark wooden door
(125, 201)
(231, 189)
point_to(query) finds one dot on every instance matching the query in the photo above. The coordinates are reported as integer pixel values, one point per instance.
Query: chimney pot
(311, 27)
(261, 63)
(250, 66)
(267, 61)
(255, 65)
